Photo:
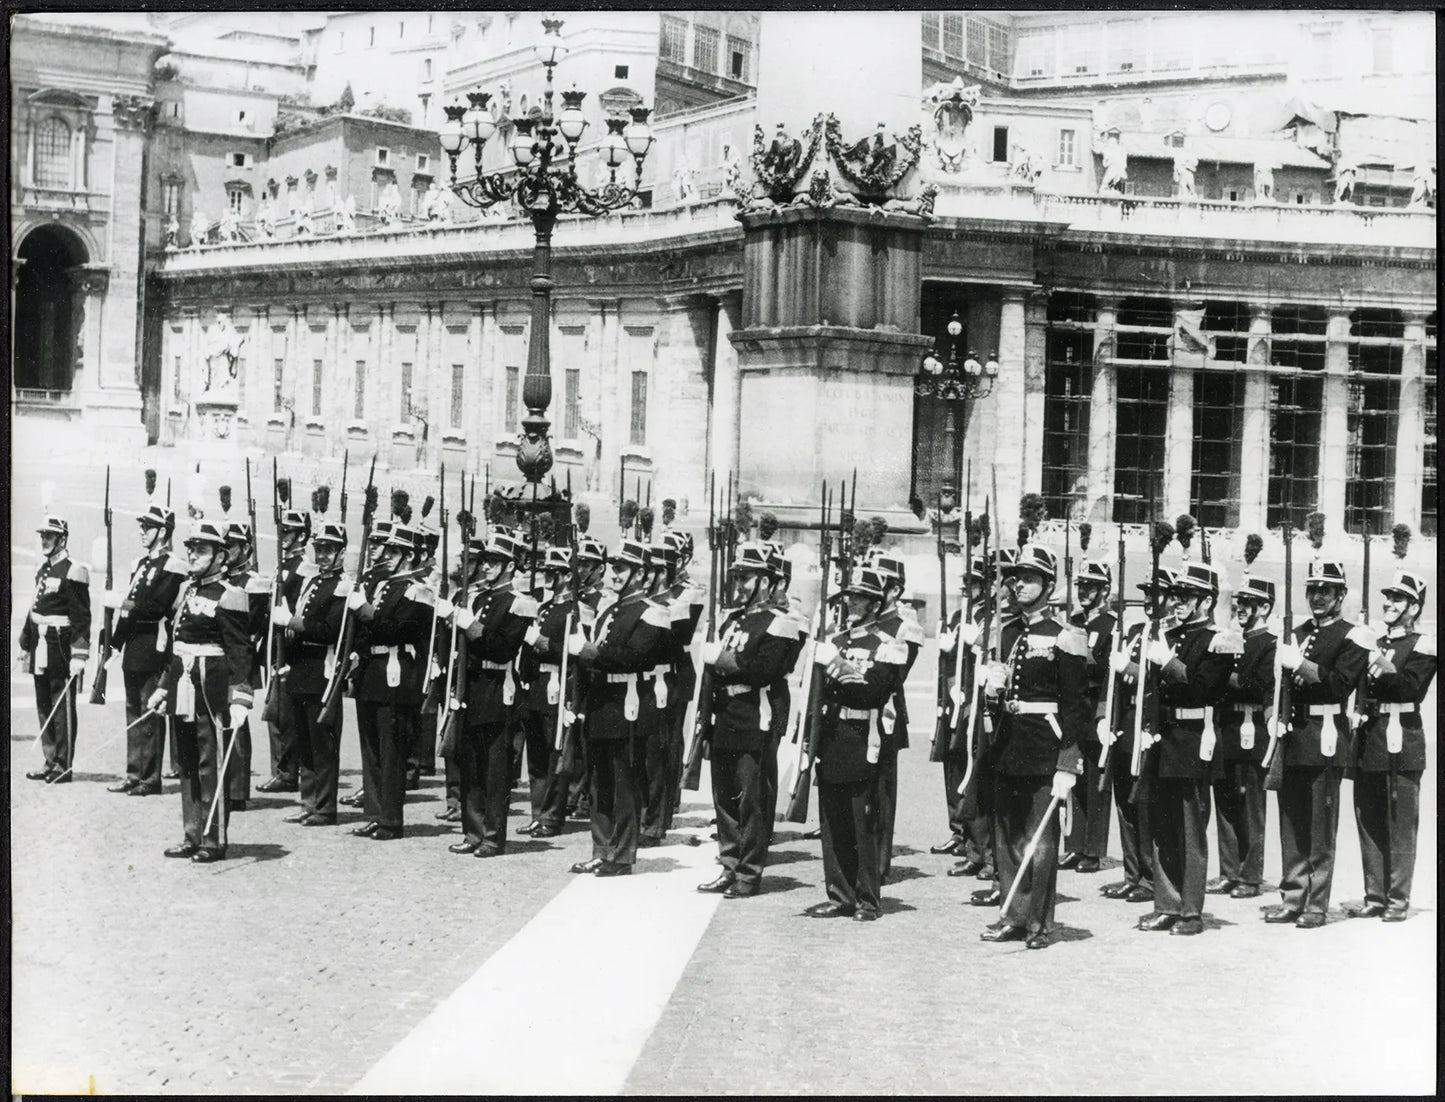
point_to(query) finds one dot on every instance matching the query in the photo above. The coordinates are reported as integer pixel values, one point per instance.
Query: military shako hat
(890, 567)
(1005, 557)
(1035, 559)
(1256, 589)
(663, 553)
(405, 537)
(1407, 584)
(867, 582)
(157, 516)
(752, 555)
(591, 550)
(1094, 573)
(236, 532)
(630, 553)
(974, 570)
(681, 542)
(203, 532)
(1326, 572)
(331, 532)
(1163, 580)
(496, 546)
(54, 526)
(294, 520)
(380, 531)
(1197, 577)
(557, 559)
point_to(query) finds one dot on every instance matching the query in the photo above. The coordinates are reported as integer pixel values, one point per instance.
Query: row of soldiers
(1200, 699)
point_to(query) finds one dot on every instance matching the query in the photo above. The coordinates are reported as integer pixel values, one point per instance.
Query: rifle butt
(798, 799)
(97, 686)
(271, 710)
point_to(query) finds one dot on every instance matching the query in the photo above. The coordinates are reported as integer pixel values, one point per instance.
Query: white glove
(157, 701)
(114, 598)
(1288, 656)
(711, 652)
(575, 642)
(356, 599)
(995, 677)
(969, 634)
(239, 714)
(445, 608)
(533, 634)
(824, 653)
(280, 616)
(1159, 652)
(946, 641)
(77, 667)
(465, 618)
(1063, 785)
(1120, 660)
(1278, 728)
(1104, 731)
(1206, 744)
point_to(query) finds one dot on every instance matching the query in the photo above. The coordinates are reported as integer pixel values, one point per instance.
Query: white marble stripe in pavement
(567, 1004)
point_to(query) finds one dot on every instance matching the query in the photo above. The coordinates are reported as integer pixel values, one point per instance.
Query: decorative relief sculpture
(1110, 147)
(952, 107)
(874, 165)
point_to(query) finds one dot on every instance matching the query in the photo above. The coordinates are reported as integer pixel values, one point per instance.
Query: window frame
(63, 159)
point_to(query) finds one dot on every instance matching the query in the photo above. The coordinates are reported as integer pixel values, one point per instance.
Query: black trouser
(675, 719)
(517, 743)
(383, 761)
(1388, 823)
(454, 783)
(318, 752)
(1019, 805)
(848, 816)
(238, 769)
(484, 776)
(199, 750)
(1309, 820)
(770, 781)
(57, 740)
(887, 805)
(548, 784)
(283, 750)
(954, 764)
(616, 786)
(1239, 806)
(145, 742)
(579, 787)
(740, 795)
(657, 774)
(1179, 822)
(1089, 833)
(421, 755)
(978, 810)
(1135, 840)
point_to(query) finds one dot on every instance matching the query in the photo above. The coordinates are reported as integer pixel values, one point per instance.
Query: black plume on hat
(1086, 532)
(225, 499)
(399, 501)
(320, 499)
(426, 506)
(1162, 537)
(283, 490)
(1253, 545)
(1184, 527)
(368, 509)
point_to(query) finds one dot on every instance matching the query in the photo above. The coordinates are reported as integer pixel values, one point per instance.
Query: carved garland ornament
(874, 165)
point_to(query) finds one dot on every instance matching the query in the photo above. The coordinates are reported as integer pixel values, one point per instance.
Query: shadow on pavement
(255, 851)
(1072, 933)
(899, 873)
(781, 836)
(890, 906)
(777, 885)
(1214, 922)
(776, 858)
(657, 864)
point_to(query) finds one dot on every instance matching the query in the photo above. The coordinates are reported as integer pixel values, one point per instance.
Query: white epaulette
(586, 615)
(657, 616)
(306, 569)
(909, 631)
(344, 586)
(1227, 642)
(892, 651)
(1362, 636)
(233, 599)
(421, 593)
(176, 565)
(1073, 641)
(1426, 644)
(258, 583)
(783, 626)
(524, 605)
(679, 609)
(78, 572)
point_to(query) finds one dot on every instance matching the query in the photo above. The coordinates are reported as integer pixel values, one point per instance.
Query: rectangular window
(1297, 337)
(637, 433)
(318, 372)
(176, 379)
(1295, 406)
(953, 34)
(1322, 46)
(171, 198)
(1000, 55)
(237, 199)
(571, 406)
(1066, 157)
(1383, 43)
(1036, 54)
(932, 29)
(1081, 49)
(405, 393)
(1173, 44)
(1126, 41)
(977, 41)
(458, 380)
(1068, 385)
(241, 381)
(674, 40)
(340, 41)
(278, 381)
(1218, 430)
(1144, 328)
(740, 58)
(383, 156)
(426, 68)
(1373, 416)
(619, 72)
(704, 48)
(511, 418)
(371, 37)
(359, 410)
(1228, 324)
(1141, 419)
(239, 160)
(1000, 143)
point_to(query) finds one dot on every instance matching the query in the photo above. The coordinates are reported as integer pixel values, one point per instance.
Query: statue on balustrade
(682, 188)
(223, 349)
(346, 216)
(1422, 188)
(304, 224)
(1026, 167)
(230, 227)
(1185, 165)
(1116, 163)
(1264, 182)
(266, 217)
(200, 228)
(733, 172)
(1345, 184)
(389, 206)
(950, 108)
(437, 205)
(173, 231)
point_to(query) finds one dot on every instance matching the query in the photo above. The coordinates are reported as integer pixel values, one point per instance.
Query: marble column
(1009, 402)
(1410, 425)
(610, 409)
(1102, 409)
(723, 433)
(1334, 427)
(482, 384)
(678, 426)
(1036, 337)
(1184, 360)
(1254, 457)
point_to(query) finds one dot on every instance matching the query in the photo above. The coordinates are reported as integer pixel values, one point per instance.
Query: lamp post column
(534, 457)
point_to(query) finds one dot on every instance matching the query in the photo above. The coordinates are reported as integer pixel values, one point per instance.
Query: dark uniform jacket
(1186, 695)
(1341, 652)
(780, 693)
(57, 628)
(210, 656)
(851, 711)
(1250, 691)
(633, 636)
(951, 663)
(390, 647)
(904, 628)
(761, 642)
(154, 585)
(1127, 693)
(1047, 664)
(258, 596)
(311, 650)
(541, 662)
(1099, 635)
(1397, 697)
(493, 642)
(685, 603)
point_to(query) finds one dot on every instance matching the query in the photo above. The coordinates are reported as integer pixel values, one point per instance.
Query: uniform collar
(1256, 630)
(59, 557)
(1398, 632)
(1044, 613)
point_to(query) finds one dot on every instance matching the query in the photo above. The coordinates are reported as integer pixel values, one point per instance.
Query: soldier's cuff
(241, 696)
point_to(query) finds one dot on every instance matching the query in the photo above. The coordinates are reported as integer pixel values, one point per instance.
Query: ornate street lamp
(946, 380)
(544, 184)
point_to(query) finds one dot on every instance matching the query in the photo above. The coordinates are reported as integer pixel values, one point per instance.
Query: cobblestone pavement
(294, 966)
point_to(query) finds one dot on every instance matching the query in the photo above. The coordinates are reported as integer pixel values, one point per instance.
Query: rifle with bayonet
(330, 715)
(1280, 706)
(453, 701)
(813, 696)
(251, 514)
(702, 708)
(1113, 699)
(1146, 734)
(948, 701)
(981, 652)
(431, 696)
(97, 686)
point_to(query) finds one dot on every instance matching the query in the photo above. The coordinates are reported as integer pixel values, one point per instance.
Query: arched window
(52, 154)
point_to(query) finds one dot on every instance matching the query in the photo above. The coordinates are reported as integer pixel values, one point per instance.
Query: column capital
(1109, 302)
(1259, 309)
(1017, 294)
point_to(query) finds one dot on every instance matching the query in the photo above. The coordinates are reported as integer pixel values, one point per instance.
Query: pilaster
(723, 433)
(1184, 359)
(1410, 425)
(1009, 397)
(1254, 457)
(1102, 406)
(1036, 336)
(1334, 426)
